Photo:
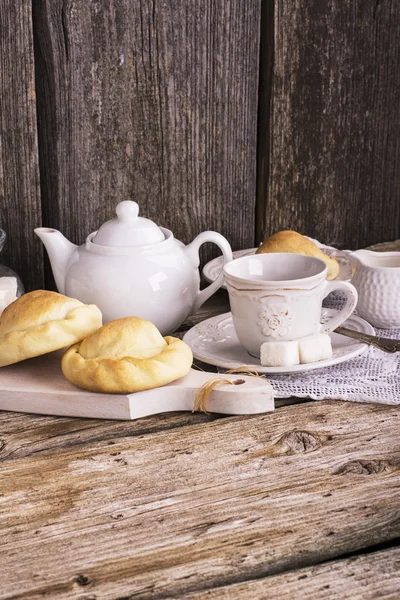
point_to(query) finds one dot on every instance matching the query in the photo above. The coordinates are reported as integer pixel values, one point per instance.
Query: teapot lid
(128, 229)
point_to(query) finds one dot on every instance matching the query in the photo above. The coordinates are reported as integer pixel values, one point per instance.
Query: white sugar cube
(315, 347)
(279, 354)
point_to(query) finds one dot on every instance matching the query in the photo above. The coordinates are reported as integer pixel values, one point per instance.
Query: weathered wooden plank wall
(20, 210)
(331, 153)
(157, 101)
(154, 101)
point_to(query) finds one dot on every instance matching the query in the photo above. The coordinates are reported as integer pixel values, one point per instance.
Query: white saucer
(213, 268)
(214, 341)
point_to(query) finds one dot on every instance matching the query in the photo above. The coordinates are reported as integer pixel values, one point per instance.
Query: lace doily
(372, 377)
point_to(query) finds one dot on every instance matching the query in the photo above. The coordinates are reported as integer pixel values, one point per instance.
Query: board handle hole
(238, 381)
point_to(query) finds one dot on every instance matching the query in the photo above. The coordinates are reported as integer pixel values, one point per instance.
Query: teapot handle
(192, 250)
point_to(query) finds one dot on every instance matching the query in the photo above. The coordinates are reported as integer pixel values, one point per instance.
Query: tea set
(130, 266)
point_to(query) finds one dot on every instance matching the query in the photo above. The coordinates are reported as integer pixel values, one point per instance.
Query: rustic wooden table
(300, 503)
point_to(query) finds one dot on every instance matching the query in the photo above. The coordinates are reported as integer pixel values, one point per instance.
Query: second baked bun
(126, 355)
(291, 241)
(40, 322)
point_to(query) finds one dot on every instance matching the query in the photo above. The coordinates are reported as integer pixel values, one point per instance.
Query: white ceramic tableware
(377, 280)
(279, 297)
(212, 269)
(214, 341)
(130, 266)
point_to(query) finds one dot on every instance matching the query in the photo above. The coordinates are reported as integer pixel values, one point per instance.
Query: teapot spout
(60, 252)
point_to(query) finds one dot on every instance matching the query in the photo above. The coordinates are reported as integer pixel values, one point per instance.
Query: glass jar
(11, 286)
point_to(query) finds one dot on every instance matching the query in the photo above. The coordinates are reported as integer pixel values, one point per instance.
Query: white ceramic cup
(278, 296)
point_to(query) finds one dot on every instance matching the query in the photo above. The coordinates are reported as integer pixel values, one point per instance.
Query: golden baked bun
(291, 241)
(41, 322)
(124, 356)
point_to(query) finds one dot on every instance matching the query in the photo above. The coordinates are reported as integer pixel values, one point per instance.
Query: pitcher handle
(192, 250)
(351, 302)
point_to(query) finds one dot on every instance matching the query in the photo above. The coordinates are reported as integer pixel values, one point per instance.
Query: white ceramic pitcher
(377, 280)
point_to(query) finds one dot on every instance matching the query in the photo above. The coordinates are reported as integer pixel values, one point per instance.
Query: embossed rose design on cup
(275, 321)
(279, 297)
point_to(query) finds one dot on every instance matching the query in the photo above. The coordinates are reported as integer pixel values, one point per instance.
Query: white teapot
(130, 266)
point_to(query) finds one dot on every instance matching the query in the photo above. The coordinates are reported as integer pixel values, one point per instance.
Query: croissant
(291, 241)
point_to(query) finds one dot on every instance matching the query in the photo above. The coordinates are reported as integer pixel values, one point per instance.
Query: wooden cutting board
(38, 386)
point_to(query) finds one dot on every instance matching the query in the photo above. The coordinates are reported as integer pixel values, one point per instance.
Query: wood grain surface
(333, 122)
(20, 210)
(25, 435)
(202, 506)
(366, 577)
(151, 101)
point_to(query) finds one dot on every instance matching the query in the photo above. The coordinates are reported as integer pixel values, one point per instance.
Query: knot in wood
(364, 467)
(299, 442)
(82, 580)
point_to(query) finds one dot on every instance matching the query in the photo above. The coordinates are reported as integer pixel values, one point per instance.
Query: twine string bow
(203, 393)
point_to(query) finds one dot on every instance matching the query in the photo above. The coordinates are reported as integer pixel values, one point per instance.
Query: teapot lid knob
(127, 210)
(128, 229)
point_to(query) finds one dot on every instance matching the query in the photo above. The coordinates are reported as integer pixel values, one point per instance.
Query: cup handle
(351, 302)
(192, 250)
